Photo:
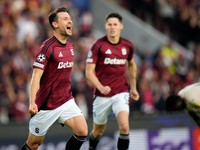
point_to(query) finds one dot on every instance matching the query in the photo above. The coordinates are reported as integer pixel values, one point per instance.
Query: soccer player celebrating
(50, 94)
(106, 66)
(187, 99)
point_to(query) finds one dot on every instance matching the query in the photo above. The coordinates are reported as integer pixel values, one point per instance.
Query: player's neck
(62, 39)
(113, 40)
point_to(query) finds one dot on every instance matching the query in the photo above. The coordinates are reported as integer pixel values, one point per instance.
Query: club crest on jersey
(72, 51)
(124, 52)
(41, 58)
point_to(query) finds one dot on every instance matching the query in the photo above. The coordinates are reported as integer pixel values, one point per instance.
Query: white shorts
(40, 123)
(104, 106)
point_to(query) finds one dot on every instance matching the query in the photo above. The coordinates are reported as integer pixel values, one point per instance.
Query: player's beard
(64, 33)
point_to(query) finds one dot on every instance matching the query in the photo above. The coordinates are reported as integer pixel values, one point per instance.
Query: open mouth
(69, 28)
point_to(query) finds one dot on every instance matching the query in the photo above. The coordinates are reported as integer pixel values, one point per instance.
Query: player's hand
(134, 94)
(105, 90)
(33, 109)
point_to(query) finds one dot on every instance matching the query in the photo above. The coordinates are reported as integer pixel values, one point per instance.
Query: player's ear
(122, 26)
(55, 24)
(106, 26)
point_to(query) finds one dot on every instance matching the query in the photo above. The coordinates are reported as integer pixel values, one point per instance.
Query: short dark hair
(53, 14)
(174, 103)
(114, 15)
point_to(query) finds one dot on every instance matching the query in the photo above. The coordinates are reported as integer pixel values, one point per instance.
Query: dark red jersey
(56, 60)
(110, 60)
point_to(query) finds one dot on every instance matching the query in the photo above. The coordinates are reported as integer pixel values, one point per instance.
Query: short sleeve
(131, 49)
(93, 54)
(42, 57)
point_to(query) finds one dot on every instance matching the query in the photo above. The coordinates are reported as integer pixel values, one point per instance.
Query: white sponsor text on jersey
(114, 61)
(65, 65)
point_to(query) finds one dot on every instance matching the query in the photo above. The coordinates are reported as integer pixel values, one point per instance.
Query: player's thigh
(120, 103)
(72, 117)
(121, 110)
(78, 125)
(101, 109)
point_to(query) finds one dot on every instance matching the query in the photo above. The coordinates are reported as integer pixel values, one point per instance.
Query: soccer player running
(107, 62)
(187, 99)
(50, 87)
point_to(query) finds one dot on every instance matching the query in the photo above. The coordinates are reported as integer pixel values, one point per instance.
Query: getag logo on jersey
(65, 65)
(114, 61)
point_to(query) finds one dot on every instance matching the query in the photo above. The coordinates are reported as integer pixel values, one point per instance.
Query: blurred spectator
(196, 62)
(169, 56)
(20, 107)
(166, 12)
(148, 106)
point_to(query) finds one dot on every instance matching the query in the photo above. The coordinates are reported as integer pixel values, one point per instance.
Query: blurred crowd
(178, 19)
(24, 26)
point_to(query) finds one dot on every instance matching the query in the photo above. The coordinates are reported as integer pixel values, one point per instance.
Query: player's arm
(132, 74)
(33, 88)
(91, 76)
(195, 117)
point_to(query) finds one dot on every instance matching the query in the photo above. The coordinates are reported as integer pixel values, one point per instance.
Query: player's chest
(63, 54)
(114, 52)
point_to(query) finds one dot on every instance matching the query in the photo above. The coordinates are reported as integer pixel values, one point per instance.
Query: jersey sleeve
(42, 57)
(93, 54)
(131, 48)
